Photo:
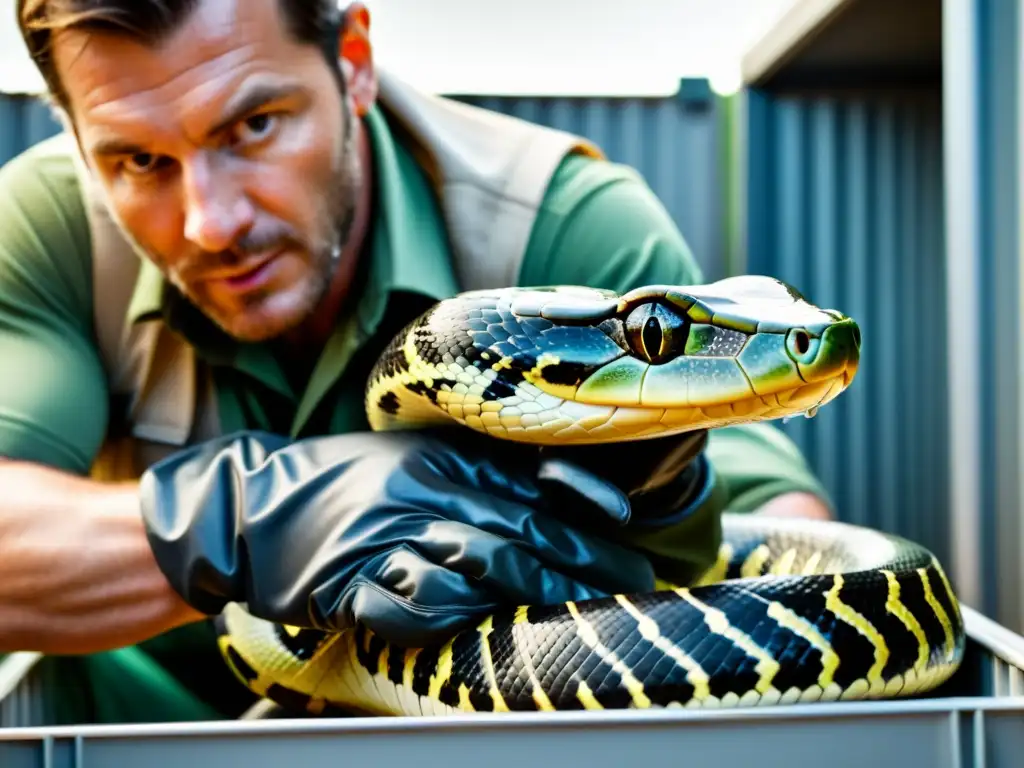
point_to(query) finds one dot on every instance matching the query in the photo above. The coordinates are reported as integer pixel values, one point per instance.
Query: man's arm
(602, 226)
(76, 571)
(77, 574)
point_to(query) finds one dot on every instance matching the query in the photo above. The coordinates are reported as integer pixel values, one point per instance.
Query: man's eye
(256, 128)
(143, 162)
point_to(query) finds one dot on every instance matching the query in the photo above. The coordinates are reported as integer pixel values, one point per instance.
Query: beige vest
(490, 172)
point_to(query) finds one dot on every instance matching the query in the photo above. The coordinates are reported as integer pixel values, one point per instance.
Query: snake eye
(655, 332)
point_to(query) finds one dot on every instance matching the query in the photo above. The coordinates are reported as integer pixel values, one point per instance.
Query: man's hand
(411, 535)
(76, 573)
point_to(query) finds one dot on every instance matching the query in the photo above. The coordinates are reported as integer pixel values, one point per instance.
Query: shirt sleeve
(601, 225)
(53, 395)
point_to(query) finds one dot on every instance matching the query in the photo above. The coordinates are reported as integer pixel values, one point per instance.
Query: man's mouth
(251, 276)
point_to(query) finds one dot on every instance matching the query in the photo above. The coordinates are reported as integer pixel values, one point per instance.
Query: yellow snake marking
(330, 671)
(292, 631)
(805, 629)
(257, 686)
(834, 603)
(535, 376)
(942, 575)
(586, 696)
(896, 607)
(464, 703)
(755, 562)
(650, 631)
(485, 628)
(947, 586)
(588, 635)
(936, 606)
(543, 702)
(416, 367)
(784, 564)
(311, 674)
(811, 566)
(443, 670)
(409, 666)
(717, 622)
(718, 571)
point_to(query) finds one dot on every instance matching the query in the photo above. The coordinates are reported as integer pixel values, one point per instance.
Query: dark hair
(316, 22)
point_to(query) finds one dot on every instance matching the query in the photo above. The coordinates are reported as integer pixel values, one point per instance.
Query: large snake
(793, 610)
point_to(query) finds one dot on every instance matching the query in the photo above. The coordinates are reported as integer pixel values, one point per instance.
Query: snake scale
(792, 611)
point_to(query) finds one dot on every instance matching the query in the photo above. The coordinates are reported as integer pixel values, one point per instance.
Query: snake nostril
(801, 342)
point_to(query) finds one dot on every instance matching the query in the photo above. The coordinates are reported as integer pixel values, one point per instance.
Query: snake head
(761, 327)
(579, 365)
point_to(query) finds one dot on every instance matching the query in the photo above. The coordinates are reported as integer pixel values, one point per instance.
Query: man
(289, 221)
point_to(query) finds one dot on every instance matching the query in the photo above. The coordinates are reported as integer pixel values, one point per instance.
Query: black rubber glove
(664, 478)
(414, 534)
(676, 499)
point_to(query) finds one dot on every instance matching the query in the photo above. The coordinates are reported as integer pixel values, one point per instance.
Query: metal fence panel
(675, 142)
(982, 91)
(846, 203)
(24, 121)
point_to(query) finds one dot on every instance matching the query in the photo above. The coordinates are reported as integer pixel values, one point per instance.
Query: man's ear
(357, 57)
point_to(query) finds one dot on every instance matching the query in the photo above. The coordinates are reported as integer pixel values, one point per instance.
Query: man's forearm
(76, 571)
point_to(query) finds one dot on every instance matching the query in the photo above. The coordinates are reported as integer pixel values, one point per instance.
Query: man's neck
(309, 338)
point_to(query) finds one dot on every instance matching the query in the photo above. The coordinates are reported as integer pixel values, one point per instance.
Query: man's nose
(217, 212)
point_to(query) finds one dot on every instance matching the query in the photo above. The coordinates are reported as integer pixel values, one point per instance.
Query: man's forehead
(109, 76)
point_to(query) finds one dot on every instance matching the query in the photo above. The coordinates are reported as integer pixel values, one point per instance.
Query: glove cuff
(192, 504)
(678, 500)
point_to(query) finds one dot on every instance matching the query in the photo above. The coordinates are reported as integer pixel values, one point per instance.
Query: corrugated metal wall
(845, 202)
(984, 211)
(24, 121)
(906, 211)
(675, 142)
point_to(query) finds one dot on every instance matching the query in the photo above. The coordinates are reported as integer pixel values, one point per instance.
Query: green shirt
(599, 225)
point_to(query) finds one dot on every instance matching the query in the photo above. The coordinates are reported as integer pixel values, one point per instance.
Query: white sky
(584, 47)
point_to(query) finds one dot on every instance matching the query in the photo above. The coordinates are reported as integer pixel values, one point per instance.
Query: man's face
(226, 154)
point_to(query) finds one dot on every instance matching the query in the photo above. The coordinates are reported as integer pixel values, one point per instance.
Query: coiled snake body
(793, 610)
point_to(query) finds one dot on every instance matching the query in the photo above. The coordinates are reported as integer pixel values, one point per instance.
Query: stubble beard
(334, 225)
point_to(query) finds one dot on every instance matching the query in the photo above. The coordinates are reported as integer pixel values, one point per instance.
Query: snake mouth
(560, 421)
(772, 375)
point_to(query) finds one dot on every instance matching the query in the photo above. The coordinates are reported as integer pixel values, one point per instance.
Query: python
(792, 611)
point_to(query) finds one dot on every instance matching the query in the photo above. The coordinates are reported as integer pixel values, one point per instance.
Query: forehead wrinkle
(216, 26)
(178, 88)
(106, 101)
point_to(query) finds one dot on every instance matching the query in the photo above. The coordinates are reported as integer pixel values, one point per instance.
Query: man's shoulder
(46, 161)
(44, 227)
(580, 175)
(46, 320)
(42, 182)
(601, 224)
